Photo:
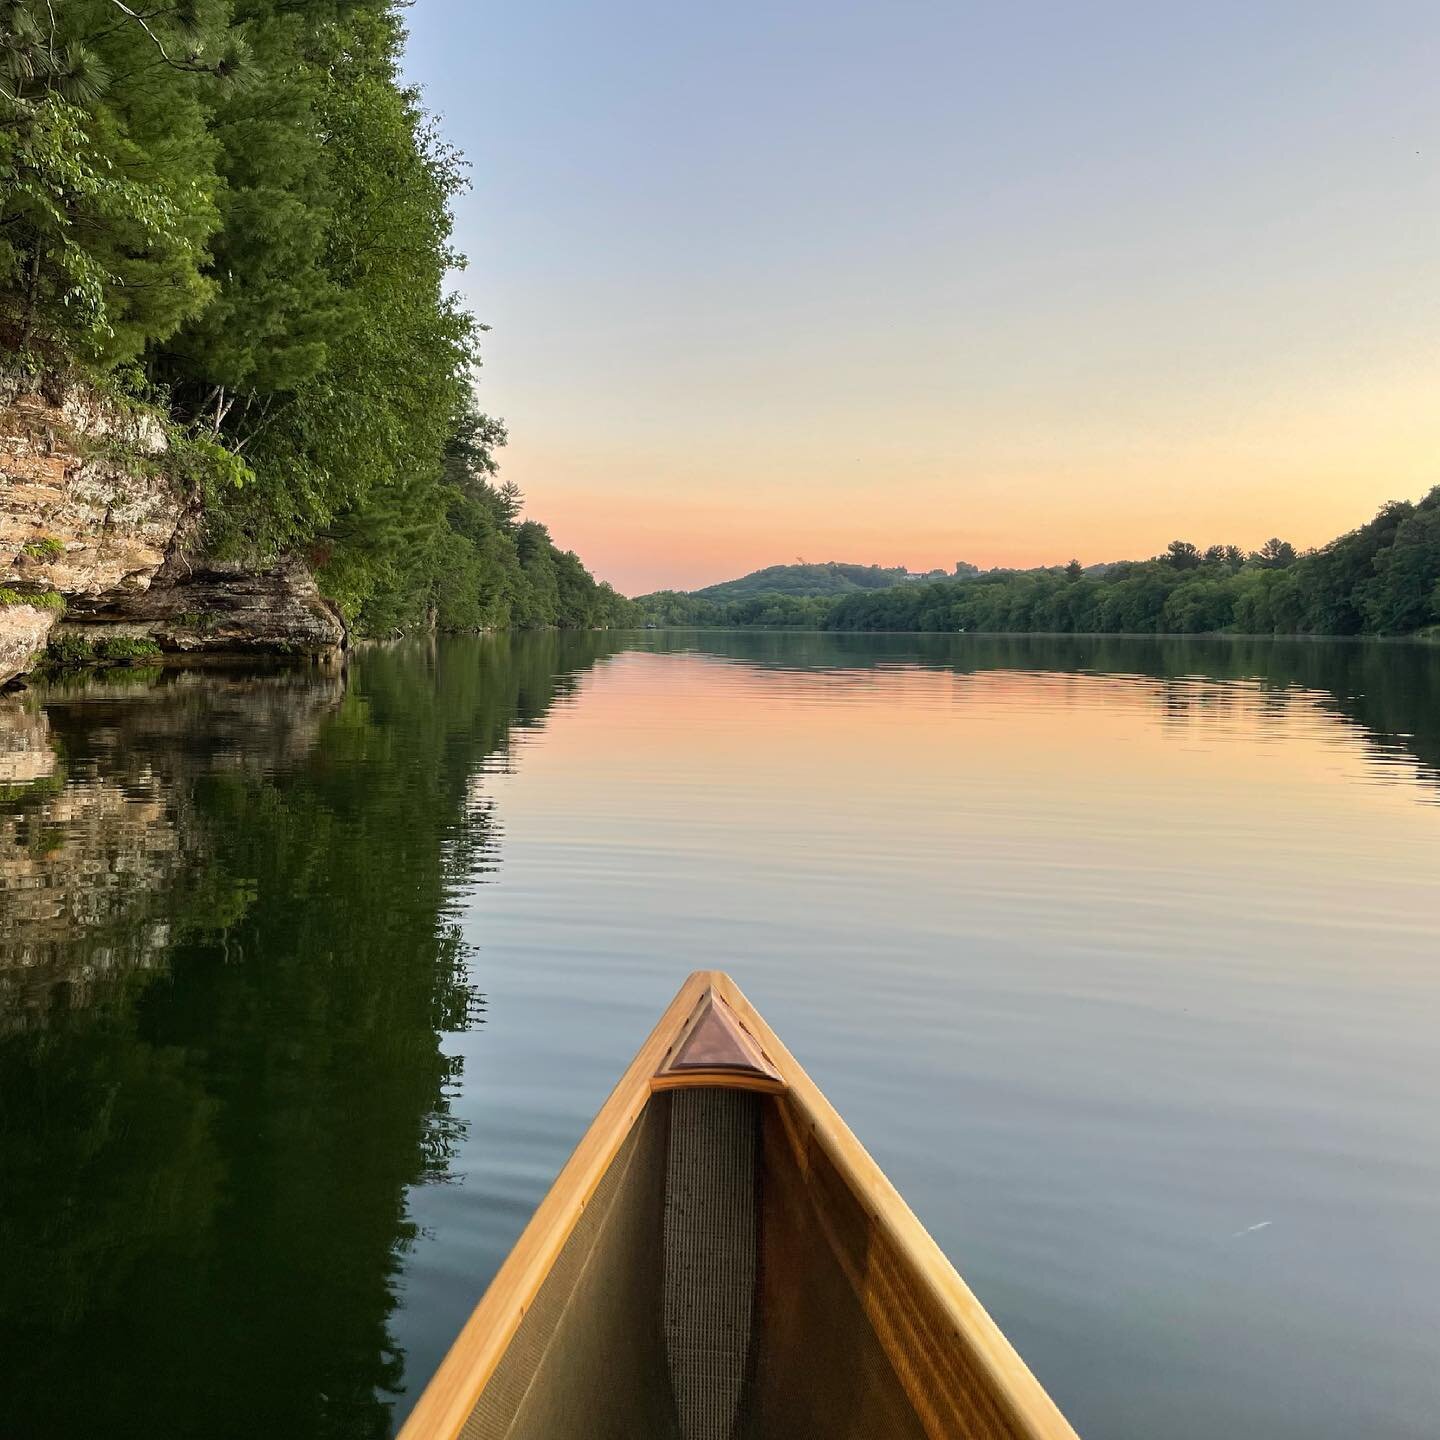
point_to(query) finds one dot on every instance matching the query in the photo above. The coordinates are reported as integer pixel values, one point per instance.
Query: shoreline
(1419, 637)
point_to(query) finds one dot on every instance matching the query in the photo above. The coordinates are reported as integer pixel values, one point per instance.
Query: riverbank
(1429, 636)
(102, 554)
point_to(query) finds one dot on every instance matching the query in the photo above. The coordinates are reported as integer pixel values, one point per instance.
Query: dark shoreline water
(309, 981)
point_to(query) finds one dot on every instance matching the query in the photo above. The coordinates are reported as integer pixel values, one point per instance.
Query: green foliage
(830, 578)
(1275, 554)
(1333, 580)
(458, 558)
(1380, 579)
(106, 192)
(766, 611)
(45, 549)
(67, 650)
(345, 439)
(237, 207)
(125, 647)
(1402, 594)
(41, 599)
(204, 467)
(678, 608)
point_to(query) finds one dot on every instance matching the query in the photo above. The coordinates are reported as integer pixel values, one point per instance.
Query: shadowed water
(1122, 956)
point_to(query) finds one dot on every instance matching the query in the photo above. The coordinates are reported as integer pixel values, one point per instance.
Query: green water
(1122, 956)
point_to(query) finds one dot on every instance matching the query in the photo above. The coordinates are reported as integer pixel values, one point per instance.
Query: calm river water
(1122, 957)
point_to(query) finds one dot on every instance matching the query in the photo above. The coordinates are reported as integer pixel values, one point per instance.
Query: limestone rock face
(88, 510)
(81, 509)
(274, 611)
(23, 632)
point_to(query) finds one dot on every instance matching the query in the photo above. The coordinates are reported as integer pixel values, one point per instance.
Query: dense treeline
(773, 610)
(235, 209)
(1382, 579)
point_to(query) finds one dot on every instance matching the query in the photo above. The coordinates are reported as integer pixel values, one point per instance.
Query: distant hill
(831, 578)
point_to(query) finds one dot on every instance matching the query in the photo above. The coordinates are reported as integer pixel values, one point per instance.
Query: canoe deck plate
(715, 1046)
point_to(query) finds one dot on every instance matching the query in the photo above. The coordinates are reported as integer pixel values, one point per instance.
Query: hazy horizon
(926, 282)
(963, 559)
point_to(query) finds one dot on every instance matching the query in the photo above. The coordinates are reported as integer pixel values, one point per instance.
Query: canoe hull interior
(721, 1260)
(702, 1296)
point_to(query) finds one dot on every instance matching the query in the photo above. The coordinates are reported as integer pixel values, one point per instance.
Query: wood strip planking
(449, 1398)
(1025, 1411)
(916, 1275)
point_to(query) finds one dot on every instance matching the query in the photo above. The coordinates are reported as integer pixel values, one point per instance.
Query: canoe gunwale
(446, 1403)
(1030, 1411)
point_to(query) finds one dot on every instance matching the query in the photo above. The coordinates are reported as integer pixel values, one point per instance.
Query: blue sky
(915, 281)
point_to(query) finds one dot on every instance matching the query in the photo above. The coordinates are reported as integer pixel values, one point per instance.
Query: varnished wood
(962, 1377)
(718, 1043)
(451, 1394)
(715, 1049)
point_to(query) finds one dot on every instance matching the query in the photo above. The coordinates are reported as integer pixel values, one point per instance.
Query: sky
(914, 282)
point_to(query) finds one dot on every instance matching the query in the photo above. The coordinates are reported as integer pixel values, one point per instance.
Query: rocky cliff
(93, 525)
(206, 607)
(24, 630)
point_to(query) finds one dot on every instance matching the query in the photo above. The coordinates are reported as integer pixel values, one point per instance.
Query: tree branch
(191, 66)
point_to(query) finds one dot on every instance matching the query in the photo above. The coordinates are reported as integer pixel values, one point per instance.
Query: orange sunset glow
(1102, 467)
(1024, 499)
(964, 285)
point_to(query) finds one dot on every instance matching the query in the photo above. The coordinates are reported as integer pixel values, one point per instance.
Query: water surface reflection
(1110, 950)
(228, 957)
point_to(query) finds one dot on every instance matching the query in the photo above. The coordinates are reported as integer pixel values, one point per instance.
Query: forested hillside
(795, 596)
(235, 211)
(1382, 579)
(831, 578)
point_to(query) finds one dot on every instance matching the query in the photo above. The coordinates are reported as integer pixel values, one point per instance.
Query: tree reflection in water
(228, 960)
(227, 964)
